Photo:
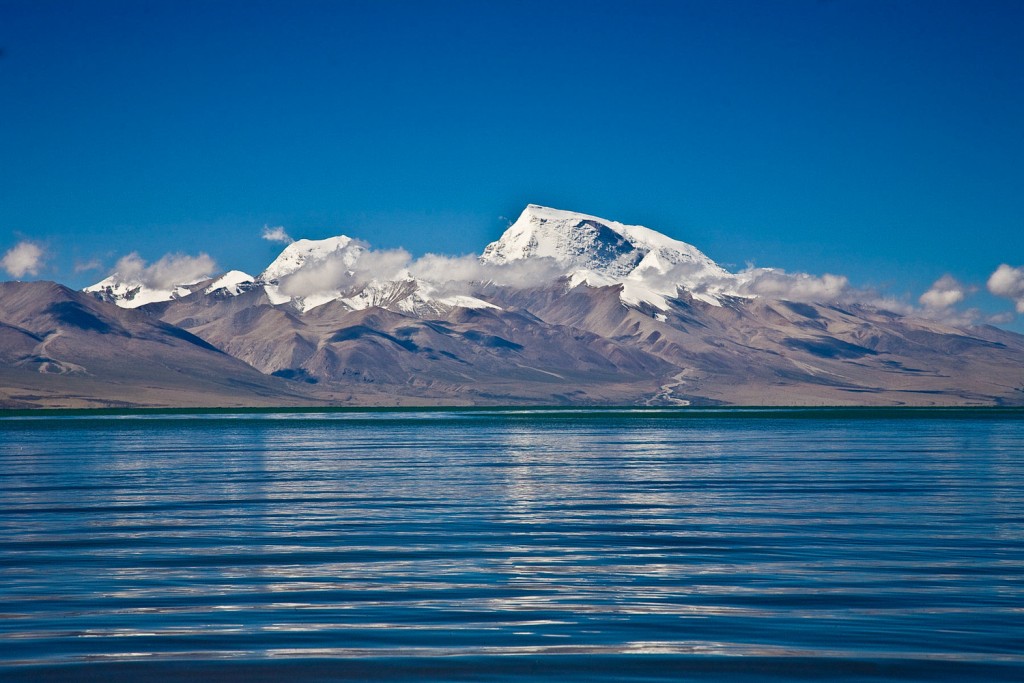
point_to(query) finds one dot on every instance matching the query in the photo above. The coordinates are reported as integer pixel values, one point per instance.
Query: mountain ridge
(586, 249)
(564, 308)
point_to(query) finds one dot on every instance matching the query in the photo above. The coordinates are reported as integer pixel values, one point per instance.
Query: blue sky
(879, 140)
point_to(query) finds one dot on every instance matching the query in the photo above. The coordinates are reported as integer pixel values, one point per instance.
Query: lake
(558, 544)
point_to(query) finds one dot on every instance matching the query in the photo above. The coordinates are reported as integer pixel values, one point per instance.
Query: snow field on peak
(230, 282)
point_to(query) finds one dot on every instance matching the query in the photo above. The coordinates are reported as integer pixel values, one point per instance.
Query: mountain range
(564, 308)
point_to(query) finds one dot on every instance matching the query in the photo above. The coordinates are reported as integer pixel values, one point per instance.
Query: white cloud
(778, 284)
(170, 270)
(438, 268)
(938, 303)
(355, 266)
(1000, 318)
(24, 258)
(349, 269)
(451, 271)
(945, 292)
(1008, 282)
(181, 269)
(276, 234)
(451, 275)
(346, 270)
(130, 267)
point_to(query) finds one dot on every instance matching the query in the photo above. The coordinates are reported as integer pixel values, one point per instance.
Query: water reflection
(279, 538)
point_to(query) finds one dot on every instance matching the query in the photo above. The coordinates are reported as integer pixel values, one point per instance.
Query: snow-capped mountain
(648, 268)
(311, 273)
(307, 274)
(563, 308)
(340, 251)
(302, 252)
(130, 293)
(585, 250)
(599, 252)
(331, 256)
(583, 242)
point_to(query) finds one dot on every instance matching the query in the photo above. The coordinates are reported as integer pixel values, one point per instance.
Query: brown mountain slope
(545, 345)
(551, 344)
(768, 352)
(463, 355)
(64, 348)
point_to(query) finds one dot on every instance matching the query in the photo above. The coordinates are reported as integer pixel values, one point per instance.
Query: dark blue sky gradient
(881, 140)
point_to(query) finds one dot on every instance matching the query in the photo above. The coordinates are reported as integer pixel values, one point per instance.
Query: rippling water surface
(560, 544)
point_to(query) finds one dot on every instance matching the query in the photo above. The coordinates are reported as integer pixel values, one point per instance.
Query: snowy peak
(128, 293)
(299, 252)
(341, 252)
(580, 241)
(573, 239)
(599, 252)
(233, 283)
(650, 267)
(311, 273)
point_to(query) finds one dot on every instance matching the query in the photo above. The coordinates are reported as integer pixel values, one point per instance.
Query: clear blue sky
(880, 140)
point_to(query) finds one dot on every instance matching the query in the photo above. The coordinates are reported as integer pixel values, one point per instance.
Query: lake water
(667, 544)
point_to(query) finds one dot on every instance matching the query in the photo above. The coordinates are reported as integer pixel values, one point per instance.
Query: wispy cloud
(24, 258)
(1000, 318)
(86, 266)
(276, 234)
(168, 271)
(1008, 282)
